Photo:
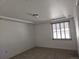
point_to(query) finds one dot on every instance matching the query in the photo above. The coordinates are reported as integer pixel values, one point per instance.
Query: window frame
(60, 30)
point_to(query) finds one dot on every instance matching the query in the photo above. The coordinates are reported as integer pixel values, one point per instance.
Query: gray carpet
(46, 53)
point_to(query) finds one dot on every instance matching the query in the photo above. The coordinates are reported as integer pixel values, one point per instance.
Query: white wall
(44, 37)
(77, 27)
(76, 19)
(15, 37)
(76, 16)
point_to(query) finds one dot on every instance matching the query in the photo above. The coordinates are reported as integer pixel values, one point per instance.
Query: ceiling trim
(15, 20)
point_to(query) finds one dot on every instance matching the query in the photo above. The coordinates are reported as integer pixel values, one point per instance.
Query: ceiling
(47, 9)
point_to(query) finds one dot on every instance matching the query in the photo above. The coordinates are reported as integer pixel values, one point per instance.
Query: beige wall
(15, 37)
(44, 37)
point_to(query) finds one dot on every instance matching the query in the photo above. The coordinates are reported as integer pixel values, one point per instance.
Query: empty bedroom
(39, 29)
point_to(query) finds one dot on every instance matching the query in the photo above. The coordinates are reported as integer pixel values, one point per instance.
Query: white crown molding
(14, 19)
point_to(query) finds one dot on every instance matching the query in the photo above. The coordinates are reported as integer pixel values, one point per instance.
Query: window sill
(61, 39)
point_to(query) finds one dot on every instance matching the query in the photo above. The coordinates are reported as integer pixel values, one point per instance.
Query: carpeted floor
(46, 53)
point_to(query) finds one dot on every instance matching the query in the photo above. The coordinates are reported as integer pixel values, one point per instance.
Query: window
(61, 31)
